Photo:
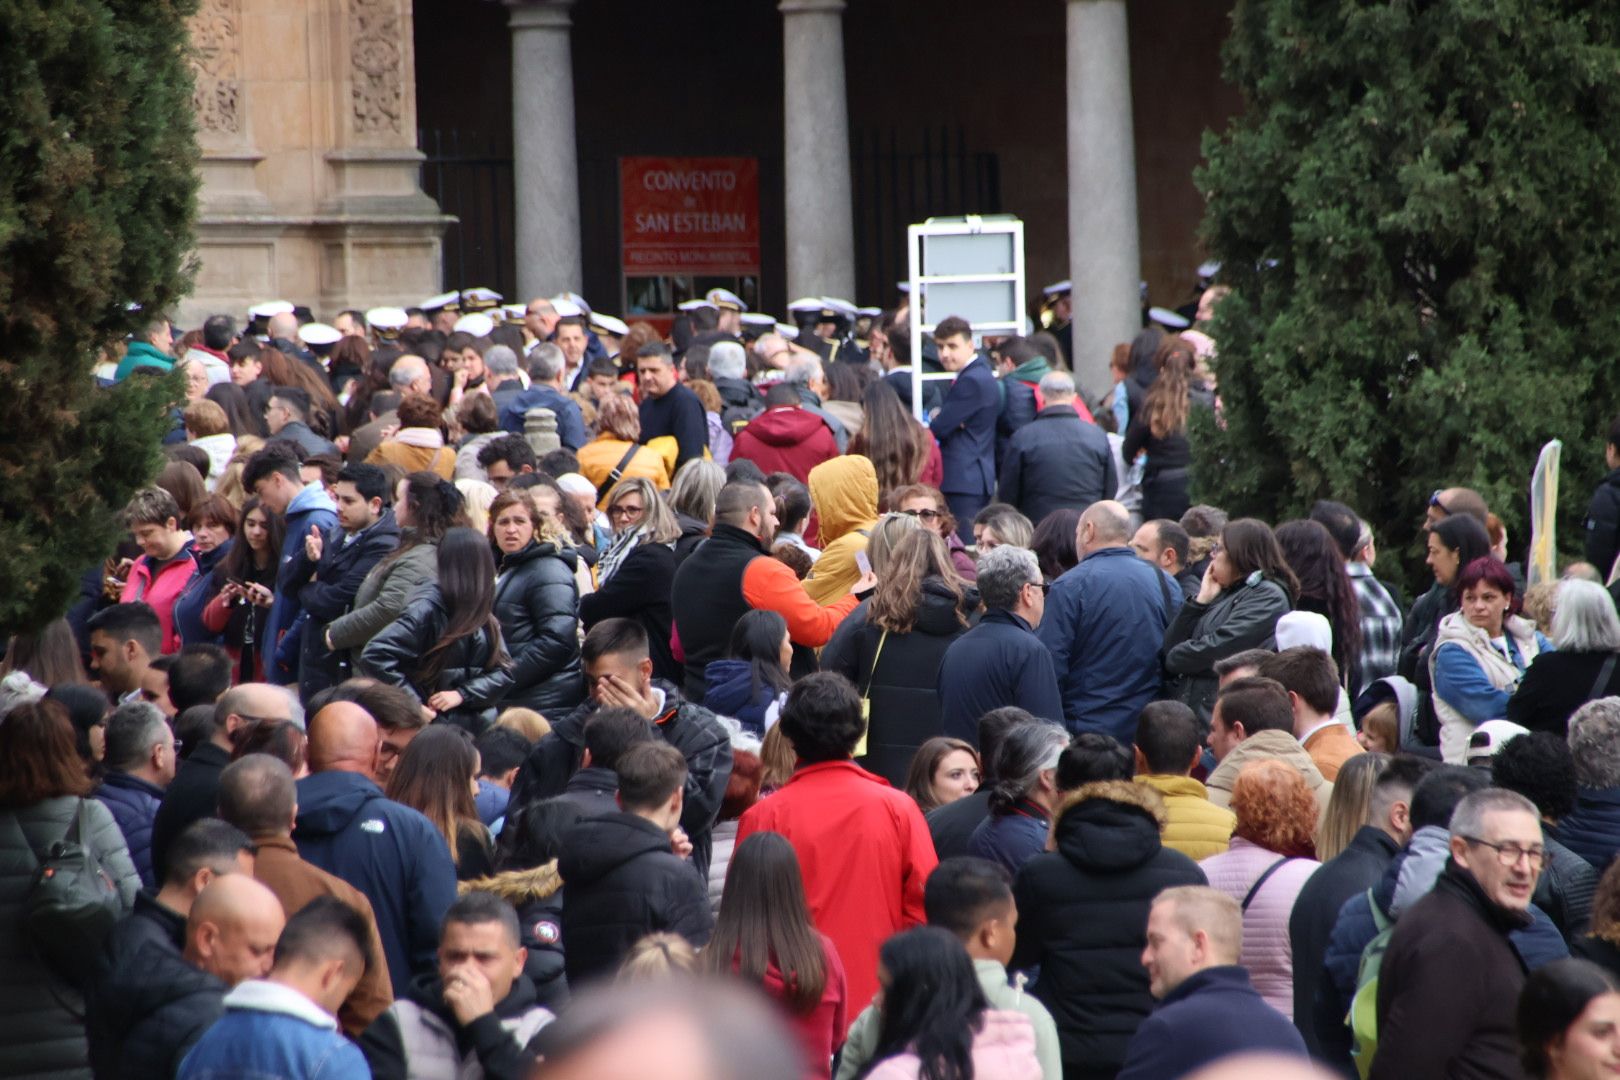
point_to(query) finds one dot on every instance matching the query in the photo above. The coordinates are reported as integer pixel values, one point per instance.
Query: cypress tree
(1419, 212)
(98, 183)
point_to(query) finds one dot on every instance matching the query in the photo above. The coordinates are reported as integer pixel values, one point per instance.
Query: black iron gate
(469, 173)
(901, 180)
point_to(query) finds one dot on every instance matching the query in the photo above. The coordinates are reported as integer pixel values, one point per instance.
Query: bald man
(1105, 623)
(124, 1017)
(173, 998)
(1459, 500)
(389, 852)
(194, 792)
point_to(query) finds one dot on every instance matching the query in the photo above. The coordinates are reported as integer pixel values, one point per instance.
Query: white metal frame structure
(921, 279)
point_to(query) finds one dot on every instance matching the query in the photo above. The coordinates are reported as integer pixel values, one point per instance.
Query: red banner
(689, 215)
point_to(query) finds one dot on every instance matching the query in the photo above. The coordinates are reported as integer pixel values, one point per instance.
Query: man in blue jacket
(546, 392)
(1000, 662)
(1207, 1008)
(389, 852)
(272, 475)
(329, 567)
(1104, 624)
(966, 425)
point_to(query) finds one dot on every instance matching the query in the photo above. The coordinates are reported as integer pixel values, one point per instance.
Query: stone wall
(307, 120)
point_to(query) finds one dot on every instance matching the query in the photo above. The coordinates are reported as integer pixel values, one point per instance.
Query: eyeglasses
(625, 511)
(1510, 854)
(1044, 586)
(926, 515)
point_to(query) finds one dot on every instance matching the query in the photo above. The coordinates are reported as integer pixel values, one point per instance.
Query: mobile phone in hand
(863, 563)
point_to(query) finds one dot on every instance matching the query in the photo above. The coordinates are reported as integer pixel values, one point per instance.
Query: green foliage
(1419, 212)
(98, 183)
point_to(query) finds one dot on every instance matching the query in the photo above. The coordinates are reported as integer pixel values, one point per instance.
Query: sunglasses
(1434, 500)
(926, 515)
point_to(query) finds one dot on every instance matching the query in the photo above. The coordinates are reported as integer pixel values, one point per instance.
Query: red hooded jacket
(786, 439)
(865, 852)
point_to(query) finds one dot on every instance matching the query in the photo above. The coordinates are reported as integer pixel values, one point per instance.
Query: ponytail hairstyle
(467, 584)
(435, 507)
(1025, 753)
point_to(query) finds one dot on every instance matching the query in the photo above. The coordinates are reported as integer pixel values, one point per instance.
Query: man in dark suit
(966, 424)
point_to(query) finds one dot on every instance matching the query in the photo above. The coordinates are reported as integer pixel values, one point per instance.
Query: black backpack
(71, 904)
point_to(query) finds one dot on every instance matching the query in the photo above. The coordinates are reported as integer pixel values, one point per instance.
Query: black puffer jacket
(1082, 918)
(41, 1030)
(395, 655)
(149, 1005)
(689, 728)
(1243, 616)
(622, 883)
(904, 677)
(536, 895)
(537, 602)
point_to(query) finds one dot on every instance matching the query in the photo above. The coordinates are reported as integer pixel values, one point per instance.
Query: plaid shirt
(1380, 629)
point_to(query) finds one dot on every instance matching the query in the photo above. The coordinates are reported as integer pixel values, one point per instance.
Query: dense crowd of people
(490, 692)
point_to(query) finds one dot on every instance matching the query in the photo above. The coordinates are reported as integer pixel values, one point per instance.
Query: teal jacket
(142, 354)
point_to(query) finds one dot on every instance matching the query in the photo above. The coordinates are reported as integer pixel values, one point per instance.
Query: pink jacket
(1004, 1049)
(162, 593)
(1266, 949)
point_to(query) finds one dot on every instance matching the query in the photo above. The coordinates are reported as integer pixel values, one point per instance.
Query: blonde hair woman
(892, 651)
(1347, 807)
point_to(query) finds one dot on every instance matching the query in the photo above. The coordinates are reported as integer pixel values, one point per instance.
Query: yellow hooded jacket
(844, 491)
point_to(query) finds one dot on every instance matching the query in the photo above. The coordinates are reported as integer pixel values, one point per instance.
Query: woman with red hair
(1480, 653)
(1270, 859)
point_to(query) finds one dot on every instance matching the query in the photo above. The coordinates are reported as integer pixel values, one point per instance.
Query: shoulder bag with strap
(1254, 890)
(613, 477)
(1604, 674)
(866, 697)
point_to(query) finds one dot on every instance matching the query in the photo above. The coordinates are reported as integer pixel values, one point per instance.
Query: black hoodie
(1082, 916)
(622, 882)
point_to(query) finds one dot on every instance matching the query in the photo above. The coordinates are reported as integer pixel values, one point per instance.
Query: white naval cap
(608, 324)
(387, 319)
(317, 333)
(727, 300)
(1173, 320)
(477, 324)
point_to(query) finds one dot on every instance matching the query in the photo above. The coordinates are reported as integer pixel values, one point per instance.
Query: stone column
(545, 165)
(820, 218)
(1104, 254)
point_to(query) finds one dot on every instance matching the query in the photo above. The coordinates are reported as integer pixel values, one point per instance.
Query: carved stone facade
(377, 39)
(307, 121)
(216, 35)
